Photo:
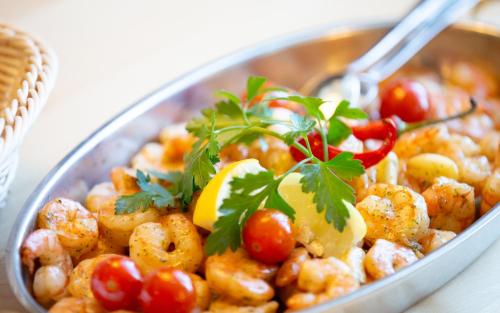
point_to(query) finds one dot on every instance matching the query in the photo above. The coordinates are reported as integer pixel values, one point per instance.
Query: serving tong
(358, 83)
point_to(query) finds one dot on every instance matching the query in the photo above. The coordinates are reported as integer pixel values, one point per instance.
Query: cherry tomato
(407, 99)
(168, 290)
(116, 282)
(268, 236)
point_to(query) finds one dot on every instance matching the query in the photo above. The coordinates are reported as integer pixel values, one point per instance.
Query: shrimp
(77, 305)
(289, 271)
(79, 280)
(167, 155)
(99, 196)
(240, 279)
(355, 259)
(75, 226)
(490, 145)
(116, 228)
(450, 204)
(427, 139)
(173, 241)
(221, 306)
(321, 280)
(385, 258)
(434, 239)
(469, 77)
(202, 291)
(103, 246)
(273, 154)
(491, 192)
(473, 168)
(51, 278)
(124, 181)
(150, 158)
(395, 213)
(176, 146)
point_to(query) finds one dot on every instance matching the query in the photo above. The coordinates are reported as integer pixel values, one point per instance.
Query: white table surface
(114, 52)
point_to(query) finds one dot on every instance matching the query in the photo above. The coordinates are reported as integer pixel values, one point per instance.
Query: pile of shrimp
(408, 215)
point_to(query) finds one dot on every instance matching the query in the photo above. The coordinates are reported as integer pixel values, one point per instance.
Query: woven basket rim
(30, 84)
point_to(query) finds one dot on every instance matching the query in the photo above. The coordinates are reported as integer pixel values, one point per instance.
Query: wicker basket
(27, 73)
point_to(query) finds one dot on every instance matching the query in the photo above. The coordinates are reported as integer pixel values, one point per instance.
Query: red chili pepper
(385, 130)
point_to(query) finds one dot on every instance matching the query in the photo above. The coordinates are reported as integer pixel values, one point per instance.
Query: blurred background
(113, 52)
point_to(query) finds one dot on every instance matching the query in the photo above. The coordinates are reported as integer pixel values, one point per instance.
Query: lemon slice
(207, 207)
(313, 231)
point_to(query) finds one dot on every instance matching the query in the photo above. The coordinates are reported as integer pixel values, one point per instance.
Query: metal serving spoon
(359, 82)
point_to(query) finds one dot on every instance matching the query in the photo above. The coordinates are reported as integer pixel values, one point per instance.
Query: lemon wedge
(207, 207)
(313, 231)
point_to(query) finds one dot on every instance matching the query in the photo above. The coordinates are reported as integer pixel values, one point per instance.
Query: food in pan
(267, 203)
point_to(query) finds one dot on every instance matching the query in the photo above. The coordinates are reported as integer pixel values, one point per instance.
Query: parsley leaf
(199, 163)
(311, 104)
(254, 84)
(345, 166)
(330, 193)
(344, 110)
(338, 131)
(247, 195)
(150, 194)
(300, 126)
(229, 95)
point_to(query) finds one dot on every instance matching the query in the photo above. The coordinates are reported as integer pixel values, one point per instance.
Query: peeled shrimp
(124, 180)
(434, 239)
(167, 155)
(473, 168)
(395, 213)
(173, 241)
(273, 154)
(240, 279)
(79, 280)
(450, 204)
(321, 280)
(103, 246)
(491, 192)
(116, 228)
(202, 291)
(385, 258)
(150, 157)
(75, 226)
(289, 270)
(428, 139)
(490, 145)
(77, 305)
(221, 306)
(51, 278)
(355, 260)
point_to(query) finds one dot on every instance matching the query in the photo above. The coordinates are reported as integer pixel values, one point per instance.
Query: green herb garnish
(234, 121)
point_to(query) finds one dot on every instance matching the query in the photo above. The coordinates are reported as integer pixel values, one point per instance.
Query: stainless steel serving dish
(290, 61)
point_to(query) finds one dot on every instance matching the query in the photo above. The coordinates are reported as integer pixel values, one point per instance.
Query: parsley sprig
(151, 194)
(237, 121)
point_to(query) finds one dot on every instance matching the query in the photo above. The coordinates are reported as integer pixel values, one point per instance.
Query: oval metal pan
(290, 61)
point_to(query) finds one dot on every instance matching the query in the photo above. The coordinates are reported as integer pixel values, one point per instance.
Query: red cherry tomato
(406, 99)
(268, 236)
(168, 290)
(116, 283)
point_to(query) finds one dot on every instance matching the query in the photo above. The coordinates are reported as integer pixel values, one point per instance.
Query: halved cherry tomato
(268, 236)
(168, 290)
(116, 283)
(407, 99)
